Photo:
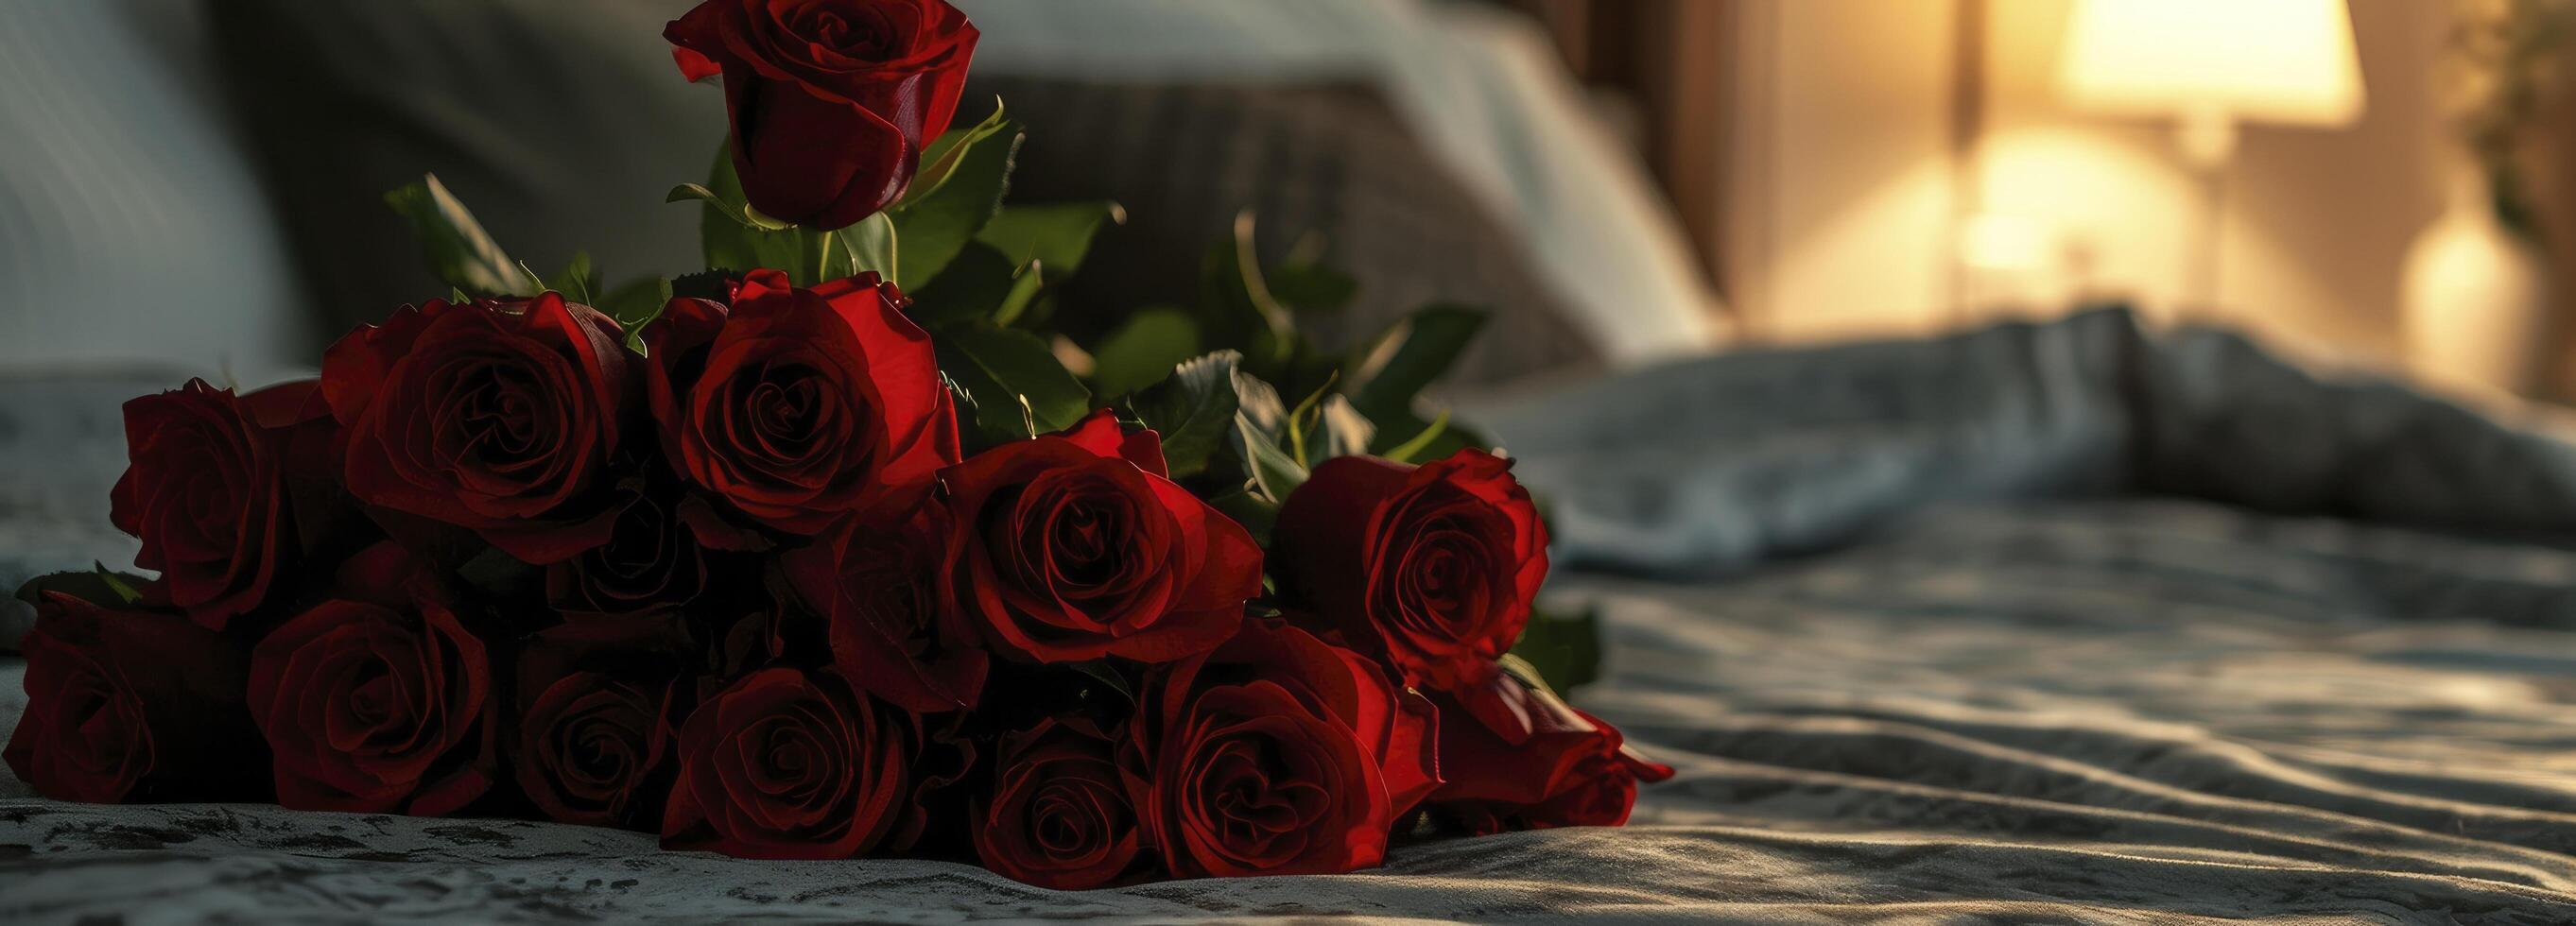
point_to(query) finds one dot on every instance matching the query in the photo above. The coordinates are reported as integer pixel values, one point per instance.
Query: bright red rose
(801, 407)
(1074, 546)
(206, 489)
(495, 416)
(1517, 758)
(1059, 815)
(1433, 565)
(371, 708)
(877, 594)
(832, 100)
(1278, 753)
(595, 737)
(133, 706)
(651, 561)
(790, 765)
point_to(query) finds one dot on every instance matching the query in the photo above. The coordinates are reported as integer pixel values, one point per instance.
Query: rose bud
(1516, 757)
(789, 765)
(133, 706)
(801, 407)
(595, 734)
(1278, 753)
(206, 488)
(1074, 546)
(372, 708)
(1059, 815)
(831, 100)
(1434, 566)
(494, 416)
(877, 594)
(651, 562)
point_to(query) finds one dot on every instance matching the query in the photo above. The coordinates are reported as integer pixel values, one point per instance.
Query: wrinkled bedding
(2062, 623)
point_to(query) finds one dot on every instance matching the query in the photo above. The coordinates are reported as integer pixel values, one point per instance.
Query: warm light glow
(2286, 61)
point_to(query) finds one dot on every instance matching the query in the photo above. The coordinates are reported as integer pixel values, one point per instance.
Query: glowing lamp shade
(2212, 63)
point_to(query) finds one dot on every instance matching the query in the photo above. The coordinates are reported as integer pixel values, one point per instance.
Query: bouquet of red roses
(857, 544)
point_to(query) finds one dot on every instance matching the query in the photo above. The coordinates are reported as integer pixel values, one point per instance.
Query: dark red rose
(371, 708)
(596, 736)
(1059, 816)
(495, 416)
(789, 765)
(801, 407)
(651, 562)
(1434, 565)
(1516, 757)
(1075, 546)
(877, 594)
(133, 706)
(832, 100)
(206, 489)
(1278, 753)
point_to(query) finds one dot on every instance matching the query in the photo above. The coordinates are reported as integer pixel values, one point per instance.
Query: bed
(2045, 623)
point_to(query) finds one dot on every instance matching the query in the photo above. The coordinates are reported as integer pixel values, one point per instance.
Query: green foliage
(1194, 411)
(579, 281)
(636, 304)
(951, 202)
(1143, 350)
(1056, 235)
(460, 253)
(1017, 387)
(1559, 651)
(97, 585)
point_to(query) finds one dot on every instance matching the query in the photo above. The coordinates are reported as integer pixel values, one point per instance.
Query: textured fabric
(1918, 645)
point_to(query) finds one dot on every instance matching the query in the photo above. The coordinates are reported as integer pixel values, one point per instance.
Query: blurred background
(193, 185)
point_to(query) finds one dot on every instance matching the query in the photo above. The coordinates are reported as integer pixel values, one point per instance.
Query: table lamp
(2209, 65)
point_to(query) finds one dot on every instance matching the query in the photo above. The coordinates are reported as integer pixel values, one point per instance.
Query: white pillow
(1482, 88)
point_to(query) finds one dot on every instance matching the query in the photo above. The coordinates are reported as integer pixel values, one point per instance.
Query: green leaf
(97, 585)
(1311, 288)
(1143, 351)
(1056, 235)
(635, 305)
(459, 251)
(972, 289)
(578, 281)
(938, 224)
(1260, 424)
(1193, 409)
(1408, 356)
(1101, 671)
(1560, 650)
(940, 158)
(1024, 288)
(1343, 432)
(1413, 449)
(868, 245)
(733, 236)
(1018, 387)
(1258, 515)
(1238, 310)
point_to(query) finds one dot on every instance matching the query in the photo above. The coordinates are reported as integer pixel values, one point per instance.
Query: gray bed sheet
(2061, 623)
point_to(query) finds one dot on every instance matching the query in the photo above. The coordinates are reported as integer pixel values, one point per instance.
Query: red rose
(206, 490)
(595, 731)
(1278, 753)
(1075, 546)
(1059, 815)
(650, 562)
(133, 706)
(832, 100)
(1516, 758)
(801, 407)
(786, 765)
(496, 416)
(1433, 565)
(373, 709)
(877, 594)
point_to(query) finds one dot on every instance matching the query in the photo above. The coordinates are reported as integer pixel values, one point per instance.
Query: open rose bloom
(839, 547)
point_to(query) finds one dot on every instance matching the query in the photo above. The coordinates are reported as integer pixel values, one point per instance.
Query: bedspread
(2067, 649)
